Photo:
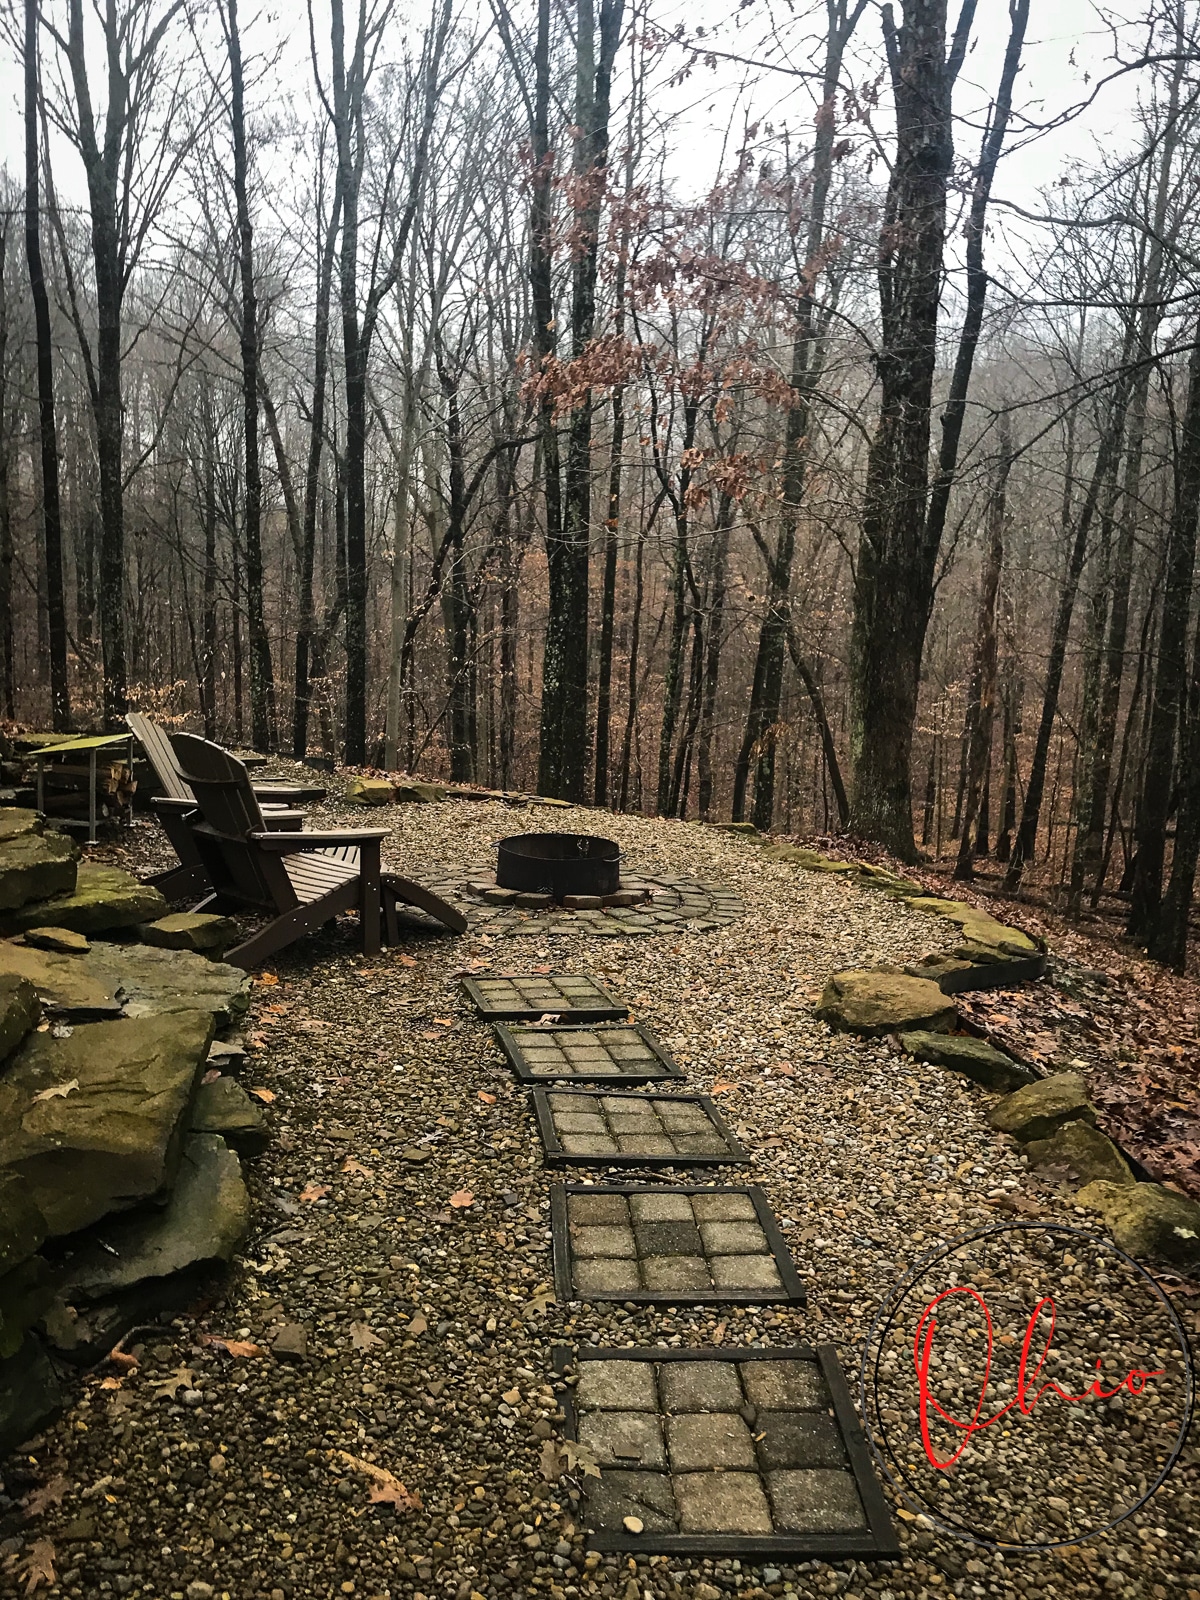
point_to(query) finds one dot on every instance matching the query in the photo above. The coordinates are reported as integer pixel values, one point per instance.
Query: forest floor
(202, 1465)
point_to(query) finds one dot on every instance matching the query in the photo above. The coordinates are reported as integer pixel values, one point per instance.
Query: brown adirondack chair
(302, 880)
(177, 804)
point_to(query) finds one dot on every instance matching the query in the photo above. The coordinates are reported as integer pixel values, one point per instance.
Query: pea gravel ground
(428, 1326)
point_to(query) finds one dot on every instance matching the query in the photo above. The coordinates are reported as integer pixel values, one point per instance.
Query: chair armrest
(289, 843)
(162, 802)
(282, 820)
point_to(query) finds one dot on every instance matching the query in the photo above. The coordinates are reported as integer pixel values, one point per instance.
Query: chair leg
(370, 891)
(179, 881)
(389, 913)
(415, 894)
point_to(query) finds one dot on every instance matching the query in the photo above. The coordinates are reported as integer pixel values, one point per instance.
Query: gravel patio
(388, 1333)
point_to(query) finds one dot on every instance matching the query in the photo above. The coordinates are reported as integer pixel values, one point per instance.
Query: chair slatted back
(240, 869)
(152, 737)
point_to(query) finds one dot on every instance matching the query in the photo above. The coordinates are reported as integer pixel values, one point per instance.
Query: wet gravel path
(402, 1228)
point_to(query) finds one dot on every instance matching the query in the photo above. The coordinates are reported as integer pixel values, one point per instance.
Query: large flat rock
(879, 1000)
(99, 900)
(22, 1225)
(1146, 1219)
(16, 821)
(95, 1122)
(203, 1223)
(974, 1058)
(66, 984)
(30, 1397)
(1086, 1152)
(19, 1010)
(224, 1107)
(34, 867)
(1039, 1109)
(190, 930)
(139, 980)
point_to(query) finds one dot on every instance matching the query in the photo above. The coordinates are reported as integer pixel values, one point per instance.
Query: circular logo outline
(890, 1310)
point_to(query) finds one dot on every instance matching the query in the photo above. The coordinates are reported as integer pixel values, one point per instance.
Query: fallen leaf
(432, 1034)
(49, 1494)
(461, 1198)
(352, 1165)
(488, 1099)
(211, 1075)
(417, 1325)
(56, 1091)
(112, 1383)
(265, 1095)
(267, 978)
(122, 1359)
(550, 1461)
(580, 1456)
(362, 1338)
(386, 1488)
(405, 961)
(239, 1348)
(540, 1302)
(722, 1087)
(181, 1378)
(444, 1022)
(314, 1191)
(38, 1567)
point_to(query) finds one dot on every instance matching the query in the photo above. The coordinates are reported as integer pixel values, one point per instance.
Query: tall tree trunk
(1162, 927)
(608, 598)
(712, 655)
(901, 535)
(262, 678)
(1025, 844)
(635, 629)
(562, 764)
(60, 700)
(979, 745)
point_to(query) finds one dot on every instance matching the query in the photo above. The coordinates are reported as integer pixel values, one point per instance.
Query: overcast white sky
(1067, 42)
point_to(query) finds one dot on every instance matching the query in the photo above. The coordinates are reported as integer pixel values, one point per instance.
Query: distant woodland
(436, 392)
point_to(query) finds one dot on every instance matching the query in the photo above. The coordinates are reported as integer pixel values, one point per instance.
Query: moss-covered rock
(974, 1058)
(95, 1122)
(16, 821)
(879, 1000)
(412, 791)
(203, 1223)
(66, 984)
(370, 792)
(63, 941)
(35, 866)
(224, 1107)
(19, 1010)
(1086, 1152)
(153, 982)
(1037, 1110)
(190, 930)
(1146, 1219)
(100, 900)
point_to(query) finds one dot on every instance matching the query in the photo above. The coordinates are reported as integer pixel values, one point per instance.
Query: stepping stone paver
(526, 997)
(629, 1055)
(687, 1447)
(626, 1243)
(591, 1128)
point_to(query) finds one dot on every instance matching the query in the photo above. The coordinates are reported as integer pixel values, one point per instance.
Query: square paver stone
(729, 1207)
(816, 1499)
(629, 1053)
(610, 1280)
(623, 1438)
(616, 1386)
(684, 1447)
(697, 1386)
(526, 998)
(679, 1260)
(709, 1440)
(721, 1502)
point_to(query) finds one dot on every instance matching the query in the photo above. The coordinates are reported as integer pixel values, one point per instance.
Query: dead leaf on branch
(386, 1488)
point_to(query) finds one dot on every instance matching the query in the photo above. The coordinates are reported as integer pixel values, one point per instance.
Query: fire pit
(559, 864)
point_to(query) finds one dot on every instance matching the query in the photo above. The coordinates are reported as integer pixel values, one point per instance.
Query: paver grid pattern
(524, 997)
(675, 905)
(587, 1127)
(628, 1055)
(742, 1453)
(679, 1245)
